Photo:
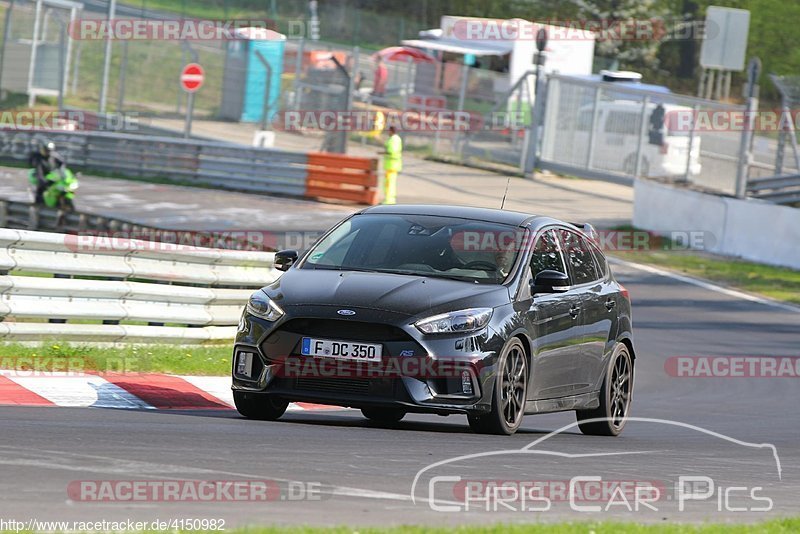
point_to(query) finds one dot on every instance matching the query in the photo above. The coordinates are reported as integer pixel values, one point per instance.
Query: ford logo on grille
(346, 312)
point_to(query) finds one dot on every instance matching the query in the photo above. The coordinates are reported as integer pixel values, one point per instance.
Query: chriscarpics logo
(661, 468)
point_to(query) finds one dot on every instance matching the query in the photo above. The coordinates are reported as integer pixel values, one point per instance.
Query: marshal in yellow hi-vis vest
(392, 164)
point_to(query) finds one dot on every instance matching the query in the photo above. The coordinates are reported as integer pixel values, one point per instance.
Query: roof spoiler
(588, 230)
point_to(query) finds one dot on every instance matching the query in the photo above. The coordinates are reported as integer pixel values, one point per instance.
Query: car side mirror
(285, 259)
(550, 282)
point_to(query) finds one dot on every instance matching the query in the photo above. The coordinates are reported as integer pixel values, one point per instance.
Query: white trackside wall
(751, 229)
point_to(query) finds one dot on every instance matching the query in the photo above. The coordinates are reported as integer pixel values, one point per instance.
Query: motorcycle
(60, 191)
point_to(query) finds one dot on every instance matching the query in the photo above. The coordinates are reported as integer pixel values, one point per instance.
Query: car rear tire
(385, 416)
(510, 392)
(259, 405)
(615, 397)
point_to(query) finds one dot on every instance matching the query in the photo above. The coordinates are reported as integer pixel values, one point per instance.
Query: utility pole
(745, 146)
(533, 137)
(112, 8)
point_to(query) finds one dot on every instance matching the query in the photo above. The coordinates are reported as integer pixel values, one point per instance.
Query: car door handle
(610, 304)
(573, 312)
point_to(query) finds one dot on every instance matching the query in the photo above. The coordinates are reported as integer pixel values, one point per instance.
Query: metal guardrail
(134, 288)
(206, 163)
(782, 189)
(27, 216)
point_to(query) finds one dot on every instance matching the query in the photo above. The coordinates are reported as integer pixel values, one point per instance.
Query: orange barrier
(339, 177)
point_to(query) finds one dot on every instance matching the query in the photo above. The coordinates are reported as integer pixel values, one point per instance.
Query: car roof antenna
(503, 203)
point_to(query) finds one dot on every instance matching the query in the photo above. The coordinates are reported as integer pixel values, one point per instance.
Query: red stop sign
(192, 77)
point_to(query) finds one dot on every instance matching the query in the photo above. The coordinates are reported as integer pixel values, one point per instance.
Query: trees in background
(672, 59)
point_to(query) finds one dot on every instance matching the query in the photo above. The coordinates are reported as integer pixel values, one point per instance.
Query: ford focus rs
(445, 310)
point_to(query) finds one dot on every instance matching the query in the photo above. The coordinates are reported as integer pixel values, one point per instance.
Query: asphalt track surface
(364, 473)
(187, 208)
(424, 182)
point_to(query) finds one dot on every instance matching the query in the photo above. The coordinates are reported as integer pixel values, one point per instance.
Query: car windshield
(432, 246)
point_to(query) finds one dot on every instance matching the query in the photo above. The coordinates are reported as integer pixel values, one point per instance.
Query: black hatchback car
(446, 310)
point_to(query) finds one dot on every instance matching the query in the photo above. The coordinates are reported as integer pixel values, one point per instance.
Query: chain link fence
(589, 128)
(144, 74)
(343, 22)
(36, 47)
(145, 77)
(600, 127)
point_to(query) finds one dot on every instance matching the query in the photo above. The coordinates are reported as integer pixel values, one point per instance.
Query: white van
(616, 140)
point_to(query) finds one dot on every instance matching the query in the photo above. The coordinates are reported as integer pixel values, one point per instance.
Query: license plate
(342, 350)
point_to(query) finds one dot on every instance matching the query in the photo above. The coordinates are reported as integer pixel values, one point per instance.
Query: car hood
(405, 294)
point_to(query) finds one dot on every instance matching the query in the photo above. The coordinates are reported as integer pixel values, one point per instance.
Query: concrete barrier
(342, 178)
(208, 163)
(747, 228)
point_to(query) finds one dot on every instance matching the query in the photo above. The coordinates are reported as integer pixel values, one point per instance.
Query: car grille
(352, 386)
(386, 389)
(345, 330)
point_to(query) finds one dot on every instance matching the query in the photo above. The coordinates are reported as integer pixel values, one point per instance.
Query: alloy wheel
(512, 386)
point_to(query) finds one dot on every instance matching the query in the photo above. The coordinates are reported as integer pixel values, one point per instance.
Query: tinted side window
(602, 263)
(546, 254)
(579, 257)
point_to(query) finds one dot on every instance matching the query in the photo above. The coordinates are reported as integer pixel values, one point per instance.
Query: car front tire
(510, 393)
(259, 406)
(615, 397)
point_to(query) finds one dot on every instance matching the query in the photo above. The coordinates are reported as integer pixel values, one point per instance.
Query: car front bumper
(417, 372)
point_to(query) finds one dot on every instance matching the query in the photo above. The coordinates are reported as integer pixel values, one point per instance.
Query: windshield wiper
(337, 268)
(432, 274)
(423, 274)
(459, 278)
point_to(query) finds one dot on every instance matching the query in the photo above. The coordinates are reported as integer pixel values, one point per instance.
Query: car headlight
(262, 306)
(457, 322)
